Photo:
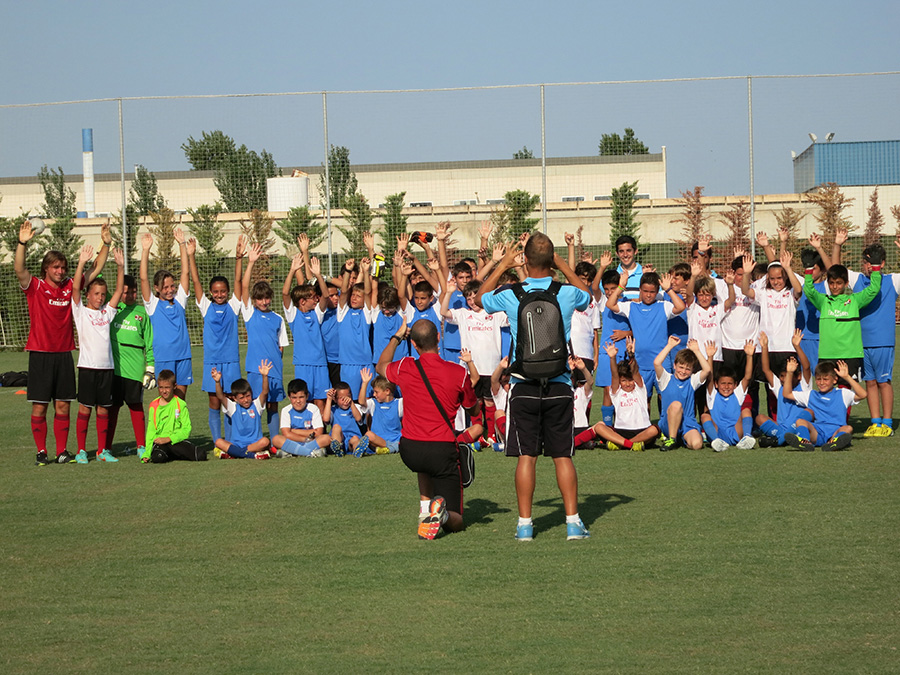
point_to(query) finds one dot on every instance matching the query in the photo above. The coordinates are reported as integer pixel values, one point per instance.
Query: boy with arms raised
(676, 392)
(245, 415)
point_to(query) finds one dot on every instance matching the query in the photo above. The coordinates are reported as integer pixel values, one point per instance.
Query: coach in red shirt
(428, 445)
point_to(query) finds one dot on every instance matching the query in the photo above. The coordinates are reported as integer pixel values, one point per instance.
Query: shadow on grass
(479, 511)
(591, 508)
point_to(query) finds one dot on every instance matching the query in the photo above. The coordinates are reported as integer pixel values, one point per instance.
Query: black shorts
(95, 387)
(854, 367)
(51, 377)
(483, 388)
(440, 461)
(540, 422)
(130, 392)
(578, 376)
(334, 374)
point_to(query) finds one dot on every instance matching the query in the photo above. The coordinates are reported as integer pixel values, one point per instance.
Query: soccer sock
(627, 444)
(272, 418)
(527, 521)
(465, 437)
(215, 423)
(769, 428)
(239, 451)
(139, 424)
(606, 414)
(61, 432)
(294, 448)
(887, 422)
(573, 519)
(587, 435)
(102, 432)
(710, 429)
(39, 431)
(81, 430)
(425, 506)
(489, 418)
(500, 426)
(112, 420)
(876, 421)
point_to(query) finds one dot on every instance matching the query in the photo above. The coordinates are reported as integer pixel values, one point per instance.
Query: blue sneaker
(105, 456)
(525, 532)
(361, 447)
(337, 447)
(81, 457)
(576, 531)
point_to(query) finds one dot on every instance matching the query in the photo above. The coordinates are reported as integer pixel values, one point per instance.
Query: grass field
(743, 561)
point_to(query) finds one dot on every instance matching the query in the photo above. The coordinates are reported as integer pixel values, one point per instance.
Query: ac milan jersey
(50, 311)
(95, 349)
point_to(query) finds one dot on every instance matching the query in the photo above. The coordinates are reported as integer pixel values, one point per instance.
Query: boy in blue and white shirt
(302, 430)
(727, 423)
(386, 413)
(244, 414)
(354, 318)
(344, 416)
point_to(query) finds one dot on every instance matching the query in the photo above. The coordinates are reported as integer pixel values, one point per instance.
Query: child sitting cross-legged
(629, 396)
(727, 422)
(344, 416)
(792, 417)
(385, 411)
(245, 415)
(302, 430)
(829, 404)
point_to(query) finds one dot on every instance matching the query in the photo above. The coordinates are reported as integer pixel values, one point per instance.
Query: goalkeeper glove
(149, 377)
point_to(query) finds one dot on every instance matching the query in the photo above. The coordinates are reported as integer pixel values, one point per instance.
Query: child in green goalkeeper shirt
(169, 426)
(840, 332)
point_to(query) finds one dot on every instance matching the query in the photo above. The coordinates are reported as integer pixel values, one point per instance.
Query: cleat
(768, 442)
(667, 444)
(612, 446)
(437, 516)
(41, 459)
(576, 531)
(842, 442)
(337, 447)
(361, 447)
(221, 454)
(263, 454)
(873, 431)
(281, 454)
(81, 457)
(496, 447)
(318, 452)
(64, 458)
(105, 456)
(525, 532)
(797, 443)
(747, 443)
(719, 445)
(144, 453)
(379, 450)
(884, 431)
(637, 447)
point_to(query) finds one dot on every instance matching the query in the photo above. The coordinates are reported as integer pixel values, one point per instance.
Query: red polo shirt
(451, 384)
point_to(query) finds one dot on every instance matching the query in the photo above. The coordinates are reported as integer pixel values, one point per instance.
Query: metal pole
(752, 187)
(122, 183)
(543, 167)
(327, 184)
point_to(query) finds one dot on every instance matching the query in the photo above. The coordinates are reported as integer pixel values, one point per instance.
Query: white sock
(525, 521)
(573, 519)
(424, 506)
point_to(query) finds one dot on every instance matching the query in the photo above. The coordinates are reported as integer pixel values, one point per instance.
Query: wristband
(808, 270)
(22, 243)
(621, 287)
(397, 338)
(876, 268)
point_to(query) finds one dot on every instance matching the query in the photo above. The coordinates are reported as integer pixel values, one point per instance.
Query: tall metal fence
(734, 136)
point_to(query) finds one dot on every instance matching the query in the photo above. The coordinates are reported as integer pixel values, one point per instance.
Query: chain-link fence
(699, 155)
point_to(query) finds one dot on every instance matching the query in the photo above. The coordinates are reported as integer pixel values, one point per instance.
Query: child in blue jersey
(648, 317)
(220, 331)
(387, 318)
(245, 416)
(166, 309)
(329, 321)
(792, 418)
(304, 310)
(678, 324)
(462, 274)
(879, 335)
(613, 328)
(354, 318)
(726, 423)
(385, 412)
(302, 430)
(266, 337)
(344, 416)
(423, 305)
(829, 405)
(677, 393)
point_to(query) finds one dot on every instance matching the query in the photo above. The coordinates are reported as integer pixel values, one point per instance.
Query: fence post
(752, 186)
(122, 184)
(543, 167)
(327, 184)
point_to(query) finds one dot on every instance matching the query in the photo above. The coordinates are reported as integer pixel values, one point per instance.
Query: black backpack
(14, 378)
(541, 350)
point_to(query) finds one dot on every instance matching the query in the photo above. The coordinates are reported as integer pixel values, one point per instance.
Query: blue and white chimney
(87, 162)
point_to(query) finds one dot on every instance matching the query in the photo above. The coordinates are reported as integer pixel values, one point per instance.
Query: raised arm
(805, 366)
(749, 350)
(745, 278)
(146, 243)
(315, 267)
(252, 257)
(729, 283)
(102, 252)
(612, 353)
(217, 378)
(445, 298)
(786, 259)
(185, 267)
(492, 262)
(497, 374)
(787, 390)
(264, 367)
(296, 263)
(840, 238)
(84, 255)
(195, 274)
(816, 242)
(764, 362)
(508, 261)
(612, 302)
(346, 271)
(570, 249)
(364, 267)
(239, 252)
(705, 367)
(366, 377)
(387, 356)
(466, 357)
(762, 240)
(25, 235)
(661, 357)
(843, 372)
(441, 232)
(119, 257)
(710, 350)
(665, 283)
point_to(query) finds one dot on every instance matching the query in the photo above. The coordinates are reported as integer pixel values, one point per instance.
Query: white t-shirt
(94, 344)
(775, 386)
(479, 332)
(500, 398)
(777, 316)
(582, 398)
(631, 408)
(704, 326)
(582, 332)
(741, 322)
(849, 398)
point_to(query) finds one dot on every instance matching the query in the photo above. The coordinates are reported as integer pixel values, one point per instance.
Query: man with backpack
(541, 404)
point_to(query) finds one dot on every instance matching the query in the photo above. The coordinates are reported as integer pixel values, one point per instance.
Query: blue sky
(51, 51)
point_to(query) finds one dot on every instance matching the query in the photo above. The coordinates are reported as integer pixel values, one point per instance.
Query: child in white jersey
(629, 396)
(95, 359)
(582, 387)
(500, 394)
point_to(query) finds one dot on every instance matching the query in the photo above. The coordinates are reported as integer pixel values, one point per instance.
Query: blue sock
(294, 448)
(803, 432)
(887, 422)
(215, 424)
(710, 430)
(273, 422)
(239, 451)
(227, 427)
(769, 428)
(606, 414)
(876, 420)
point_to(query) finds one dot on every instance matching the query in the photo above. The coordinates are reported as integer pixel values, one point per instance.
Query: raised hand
(704, 243)
(191, 246)
(791, 365)
(786, 259)
(692, 344)
(348, 265)
(629, 344)
(296, 263)
(147, 241)
(748, 265)
(610, 349)
(86, 253)
(265, 366)
(587, 257)
(763, 340)
(840, 237)
(649, 268)
(106, 233)
(315, 267)
(452, 285)
(403, 241)
(25, 233)
(485, 229)
(368, 241)
(783, 234)
(364, 266)
(815, 240)
(465, 356)
(579, 363)
(711, 349)
(119, 257)
(255, 253)
(570, 239)
(762, 239)
(216, 375)
(240, 248)
(433, 264)
(796, 338)
(499, 252)
(675, 340)
(178, 233)
(842, 370)
(665, 282)
(303, 242)
(441, 230)
(605, 259)
(749, 347)
(729, 277)
(696, 268)
(329, 394)
(366, 375)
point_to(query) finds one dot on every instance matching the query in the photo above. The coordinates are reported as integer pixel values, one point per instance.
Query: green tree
(258, 230)
(341, 179)
(692, 220)
(629, 144)
(394, 224)
(358, 216)
(59, 204)
(623, 213)
(524, 153)
(143, 196)
(520, 204)
(240, 173)
(300, 220)
(206, 230)
(163, 231)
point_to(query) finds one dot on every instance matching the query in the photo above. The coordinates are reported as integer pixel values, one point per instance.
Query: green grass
(743, 561)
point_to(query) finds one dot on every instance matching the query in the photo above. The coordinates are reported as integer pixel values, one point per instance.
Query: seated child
(727, 423)
(245, 416)
(169, 426)
(344, 416)
(582, 386)
(829, 404)
(385, 412)
(792, 418)
(500, 394)
(677, 394)
(470, 435)
(302, 430)
(629, 396)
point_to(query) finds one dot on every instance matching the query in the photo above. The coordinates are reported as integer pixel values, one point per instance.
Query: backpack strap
(519, 290)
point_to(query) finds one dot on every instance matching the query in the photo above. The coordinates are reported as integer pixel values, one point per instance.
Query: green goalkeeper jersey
(132, 342)
(840, 333)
